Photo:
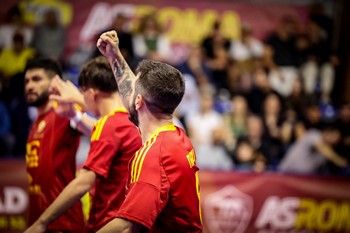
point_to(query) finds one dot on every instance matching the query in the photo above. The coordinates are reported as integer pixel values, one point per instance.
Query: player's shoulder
(173, 141)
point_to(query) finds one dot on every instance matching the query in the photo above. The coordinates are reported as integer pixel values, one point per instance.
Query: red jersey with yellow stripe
(50, 158)
(163, 189)
(114, 140)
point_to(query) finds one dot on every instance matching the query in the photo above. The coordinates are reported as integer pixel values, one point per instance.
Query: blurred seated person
(13, 60)
(236, 120)
(280, 48)
(318, 69)
(259, 90)
(258, 138)
(246, 158)
(292, 128)
(310, 154)
(205, 129)
(215, 48)
(312, 117)
(246, 48)
(6, 137)
(190, 102)
(150, 42)
(195, 66)
(50, 36)
(125, 38)
(14, 23)
(297, 100)
(343, 124)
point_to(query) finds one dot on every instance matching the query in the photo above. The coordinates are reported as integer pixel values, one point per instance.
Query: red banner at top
(185, 22)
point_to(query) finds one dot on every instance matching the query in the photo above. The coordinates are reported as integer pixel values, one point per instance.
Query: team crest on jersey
(41, 126)
(228, 210)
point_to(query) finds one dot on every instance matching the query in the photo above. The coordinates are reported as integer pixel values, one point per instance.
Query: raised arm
(108, 44)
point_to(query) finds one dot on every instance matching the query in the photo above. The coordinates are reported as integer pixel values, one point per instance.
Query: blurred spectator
(309, 154)
(14, 23)
(236, 120)
(312, 117)
(318, 69)
(215, 47)
(124, 36)
(205, 130)
(318, 16)
(195, 66)
(13, 60)
(260, 89)
(343, 124)
(6, 137)
(247, 158)
(297, 99)
(247, 48)
(282, 80)
(272, 120)
(150, 42)
(280, 50)
(257, 138)
(292, 129)
(49, 36)
(190, 102)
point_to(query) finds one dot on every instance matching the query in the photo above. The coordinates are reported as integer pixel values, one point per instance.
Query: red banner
(232, 202)
(274, 203)
(185, 21)
(14, 199)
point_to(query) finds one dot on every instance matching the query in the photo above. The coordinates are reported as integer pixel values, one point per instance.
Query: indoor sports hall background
(236, 196)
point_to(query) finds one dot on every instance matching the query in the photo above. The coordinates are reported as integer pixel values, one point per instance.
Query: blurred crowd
(250, 104)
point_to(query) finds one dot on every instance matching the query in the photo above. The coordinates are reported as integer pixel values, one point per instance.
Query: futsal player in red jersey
(163, 188)
(51, 148)
(114, 141)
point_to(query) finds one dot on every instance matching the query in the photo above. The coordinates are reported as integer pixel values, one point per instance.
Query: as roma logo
(228, 210)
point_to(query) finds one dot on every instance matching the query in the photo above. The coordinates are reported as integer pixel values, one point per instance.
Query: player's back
(182, 211)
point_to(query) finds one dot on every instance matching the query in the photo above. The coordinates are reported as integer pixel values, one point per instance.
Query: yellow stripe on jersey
(136, 165)
(92, 138)
(138, 160)
(98, 130)
(142, 159)
(101, 122)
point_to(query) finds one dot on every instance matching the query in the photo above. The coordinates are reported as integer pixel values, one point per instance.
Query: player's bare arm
(119, 225)
(67, 198)
(108, 44)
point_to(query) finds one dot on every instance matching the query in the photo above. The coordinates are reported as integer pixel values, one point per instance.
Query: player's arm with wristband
(71, 105)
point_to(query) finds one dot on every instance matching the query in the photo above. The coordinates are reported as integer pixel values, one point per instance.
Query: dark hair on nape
(161, 85)
(51, 66)
(97, 73)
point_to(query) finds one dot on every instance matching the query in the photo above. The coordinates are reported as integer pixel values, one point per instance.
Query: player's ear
(139, 102)
(91, 93)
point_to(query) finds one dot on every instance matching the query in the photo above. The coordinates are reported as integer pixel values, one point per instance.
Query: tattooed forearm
(119, 68)
(124, 77)
(124, 86)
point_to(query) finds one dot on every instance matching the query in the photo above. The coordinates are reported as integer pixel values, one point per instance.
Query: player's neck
(109, 103)
(149, 124)
(43, 108)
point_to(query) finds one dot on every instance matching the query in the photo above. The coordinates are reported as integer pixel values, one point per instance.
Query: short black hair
(161, 85)
(51, 66)
(97, 73)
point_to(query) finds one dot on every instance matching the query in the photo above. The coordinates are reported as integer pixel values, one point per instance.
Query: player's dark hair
(98, 74)
(161, 85)
(51, 66)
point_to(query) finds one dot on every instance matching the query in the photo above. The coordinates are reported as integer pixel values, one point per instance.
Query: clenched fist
(108, 44)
